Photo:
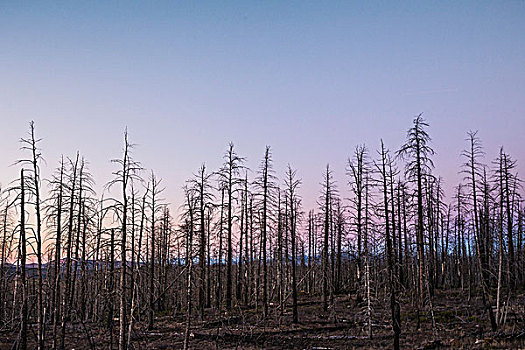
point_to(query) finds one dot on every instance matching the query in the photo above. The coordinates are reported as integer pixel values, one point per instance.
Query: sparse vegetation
(384, 261)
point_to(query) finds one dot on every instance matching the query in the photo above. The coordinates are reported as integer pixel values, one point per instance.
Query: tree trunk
(22, 252)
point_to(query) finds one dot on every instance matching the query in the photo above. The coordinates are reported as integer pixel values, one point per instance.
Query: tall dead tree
(31, 144)
(69, 246)
(5, 254)
(471, 168)
(127, 172)
(23, 256)
(500, 238)
(218, 290)
(188, 229)
(417, 152)
(242, 240)
(292, 184)
(201, 189)
(394, 305)
(247, 234)
(339, 223)
(58, 187)
(265, 183)
(156, 190)
(230, 177)
(509, 189)
(367, 257)
(358, 169)
(327, 194)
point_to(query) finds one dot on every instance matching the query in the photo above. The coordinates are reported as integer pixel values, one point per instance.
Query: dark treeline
(72, 259)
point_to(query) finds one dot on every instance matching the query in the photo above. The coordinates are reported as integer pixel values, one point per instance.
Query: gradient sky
(311, 79)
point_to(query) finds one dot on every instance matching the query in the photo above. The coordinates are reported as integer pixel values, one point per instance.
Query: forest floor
(460, 323)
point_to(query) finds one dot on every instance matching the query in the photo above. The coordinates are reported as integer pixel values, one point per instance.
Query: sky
(310, 79)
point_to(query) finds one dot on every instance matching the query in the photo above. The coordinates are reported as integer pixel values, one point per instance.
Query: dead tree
(243, 228)
(506, 185)
(471, 168)
(156, 190)
(230, 177)
(367, 257)
(325, 203)
(6, 248)
(394, 305)
(31, 144)
(292, 185)
(23, 255)
(67, 288)
(189, 228)
(58, 188)
(417, 152)
(509, 189)
(218, 290)
(358, 169)
(201, 188)
(265, 184)
(500, 239)
(127, 172)
(339, 223)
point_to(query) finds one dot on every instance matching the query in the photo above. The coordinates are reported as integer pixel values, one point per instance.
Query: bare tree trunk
(292, 184)
(394, 305)
(264, 227)
(252, 271)
(367, 263)
(420, 246)
(218, 295)
(418, 152)
(310, 252)
(111, 287)
(38, 238)
(339, 228)
(22, 249)
(326, 235)
(201, 183)
(509, 212)
(482, 254)
(154, 191)
(56, 312)
(67, 293)
(5, 252)
(500, 244)
(132, 267)
(241, 280)
(77, 238)
(405, 233)
(123, 264)
(139, 250)
(189, 264)
(229, 218)
(519, 261)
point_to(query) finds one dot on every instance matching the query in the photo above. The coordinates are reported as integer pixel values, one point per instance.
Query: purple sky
(311, 79)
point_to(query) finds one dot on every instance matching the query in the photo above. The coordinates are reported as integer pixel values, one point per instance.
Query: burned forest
(383, 260)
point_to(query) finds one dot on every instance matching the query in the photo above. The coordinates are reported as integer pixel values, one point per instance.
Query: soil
(460, 323)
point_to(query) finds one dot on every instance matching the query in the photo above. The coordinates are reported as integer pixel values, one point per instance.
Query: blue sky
(310, 79)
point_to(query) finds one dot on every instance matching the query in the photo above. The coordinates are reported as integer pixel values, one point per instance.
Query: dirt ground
(459, 324)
